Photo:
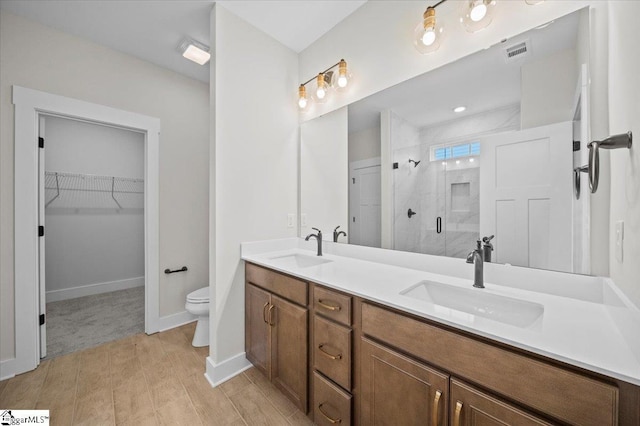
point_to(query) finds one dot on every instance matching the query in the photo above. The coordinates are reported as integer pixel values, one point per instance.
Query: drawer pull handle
(326, 416)
(328, 306)
(327, 354)
(269, 314)
(436, 408)
(264, 312)
(456, 417)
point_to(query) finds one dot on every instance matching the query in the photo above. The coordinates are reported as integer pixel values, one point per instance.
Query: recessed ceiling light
(196, 52)
(459, 109)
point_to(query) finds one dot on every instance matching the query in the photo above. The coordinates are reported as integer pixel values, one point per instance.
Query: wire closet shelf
(77, 190)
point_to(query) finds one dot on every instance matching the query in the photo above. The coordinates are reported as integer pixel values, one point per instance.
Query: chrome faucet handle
(335, 230)
(319, 231)
(487, 239)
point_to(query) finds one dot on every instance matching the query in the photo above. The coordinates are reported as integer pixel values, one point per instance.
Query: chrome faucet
(476, 257)
(337, 234)
(318, 238)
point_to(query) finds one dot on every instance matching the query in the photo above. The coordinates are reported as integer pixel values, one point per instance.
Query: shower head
(415, 163)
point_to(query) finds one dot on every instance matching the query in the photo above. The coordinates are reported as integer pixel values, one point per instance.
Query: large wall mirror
(484, 146)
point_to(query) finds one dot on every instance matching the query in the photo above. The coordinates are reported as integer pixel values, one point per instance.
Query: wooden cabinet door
(470, 407)
(397, 390)
(289, 344)
(257, 338)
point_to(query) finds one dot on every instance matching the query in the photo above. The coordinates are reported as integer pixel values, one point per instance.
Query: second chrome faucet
(477, 258)
(318, 238)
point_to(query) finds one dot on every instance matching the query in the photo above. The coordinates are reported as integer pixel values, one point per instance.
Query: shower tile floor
(85, 322)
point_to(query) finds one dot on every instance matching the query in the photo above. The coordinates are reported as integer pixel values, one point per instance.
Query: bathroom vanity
(367, 336)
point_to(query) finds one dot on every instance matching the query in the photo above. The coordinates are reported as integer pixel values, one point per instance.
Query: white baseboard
(175, 320)
(219, 373)
(7, 369)
(91, 289)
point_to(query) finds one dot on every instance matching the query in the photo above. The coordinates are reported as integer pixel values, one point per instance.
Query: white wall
(324, 170)
(364, 144)
(624, 113)
(97, 247)
(548, 88)
(254, 157)
(41, 58)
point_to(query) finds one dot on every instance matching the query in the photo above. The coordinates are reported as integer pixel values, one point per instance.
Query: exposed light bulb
(478, 11)
(302, 97)
(429, 37)
(460, 109)
(428, 33)
(476, 15)
(343, 76)
(321, 89)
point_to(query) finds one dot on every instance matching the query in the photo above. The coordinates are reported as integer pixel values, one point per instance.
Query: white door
(526, 201)
(364, 222)
(41, 241)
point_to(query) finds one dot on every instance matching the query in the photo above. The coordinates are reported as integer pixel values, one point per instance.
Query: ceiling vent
(517, 51)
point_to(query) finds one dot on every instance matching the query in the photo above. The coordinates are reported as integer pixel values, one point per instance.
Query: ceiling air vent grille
(517, 51)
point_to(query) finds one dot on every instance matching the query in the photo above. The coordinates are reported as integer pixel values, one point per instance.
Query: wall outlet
(619, 241)
(303, 220)
(291, 220)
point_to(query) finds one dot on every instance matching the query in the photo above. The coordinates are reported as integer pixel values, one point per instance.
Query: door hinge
(395, 165)
(42, 319)
(40, 231)
(41, 142)
(354, 219)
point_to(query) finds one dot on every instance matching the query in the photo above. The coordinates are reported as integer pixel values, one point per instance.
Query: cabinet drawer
(563, 394)
(332, 351)
(282, 285)
(332, 405)
(332, 305)
(471, 407)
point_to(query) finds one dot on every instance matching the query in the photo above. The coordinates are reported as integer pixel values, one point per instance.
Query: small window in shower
(443, 152)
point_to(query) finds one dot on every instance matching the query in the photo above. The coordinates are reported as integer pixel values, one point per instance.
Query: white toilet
(198, 305)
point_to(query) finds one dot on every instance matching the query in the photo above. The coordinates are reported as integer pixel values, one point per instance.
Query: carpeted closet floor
(89, 321)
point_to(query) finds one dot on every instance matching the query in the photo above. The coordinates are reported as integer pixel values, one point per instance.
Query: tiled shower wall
(433, 189)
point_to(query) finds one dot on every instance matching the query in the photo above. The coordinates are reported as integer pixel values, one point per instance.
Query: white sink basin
(299, 260)
(475, 301)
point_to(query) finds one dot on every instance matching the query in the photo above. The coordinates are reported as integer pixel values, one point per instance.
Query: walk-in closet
(92, 259)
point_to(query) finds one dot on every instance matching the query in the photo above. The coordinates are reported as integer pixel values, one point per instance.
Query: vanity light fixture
(429, 31)
(325, 81)
(476, 15)
(195, 51)
(460, 109)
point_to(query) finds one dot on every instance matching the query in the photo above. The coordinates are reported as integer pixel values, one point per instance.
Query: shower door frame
(29, 104)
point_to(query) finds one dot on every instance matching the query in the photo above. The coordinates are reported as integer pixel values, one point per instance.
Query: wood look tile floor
(146, 380)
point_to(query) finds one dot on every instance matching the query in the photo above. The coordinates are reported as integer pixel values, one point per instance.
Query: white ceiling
(481, 82)
(152, 30)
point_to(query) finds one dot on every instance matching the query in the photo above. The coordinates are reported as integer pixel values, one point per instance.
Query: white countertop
(587, 321)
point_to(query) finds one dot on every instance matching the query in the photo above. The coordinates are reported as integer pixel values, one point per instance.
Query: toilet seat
(199, 296)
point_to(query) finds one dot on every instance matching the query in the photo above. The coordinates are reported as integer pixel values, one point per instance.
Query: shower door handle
(438, 224)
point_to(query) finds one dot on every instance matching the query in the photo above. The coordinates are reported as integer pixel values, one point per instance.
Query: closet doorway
(29, 106)
(92, 250)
